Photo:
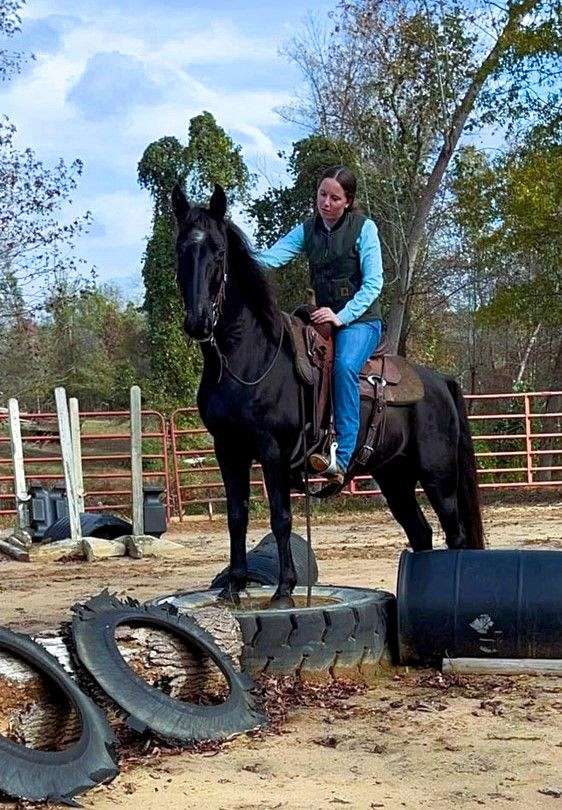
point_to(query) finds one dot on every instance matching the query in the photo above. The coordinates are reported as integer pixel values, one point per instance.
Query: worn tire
(57, 776)
(147, 708)
(263, 563)
(92, 524)
(348, 638)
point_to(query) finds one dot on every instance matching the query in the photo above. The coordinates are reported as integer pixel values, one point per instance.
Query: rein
(217, 305)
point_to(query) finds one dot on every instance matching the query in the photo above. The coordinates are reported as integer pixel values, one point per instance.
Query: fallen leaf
(327, 742)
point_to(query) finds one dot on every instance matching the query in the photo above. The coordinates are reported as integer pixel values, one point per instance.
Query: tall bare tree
(402, 80)
(37, 238)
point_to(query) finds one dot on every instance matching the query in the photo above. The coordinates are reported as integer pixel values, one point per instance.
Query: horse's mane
(258, 290)
(242, 264)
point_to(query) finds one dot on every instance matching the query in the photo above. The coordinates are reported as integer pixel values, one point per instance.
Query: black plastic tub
(505, 603)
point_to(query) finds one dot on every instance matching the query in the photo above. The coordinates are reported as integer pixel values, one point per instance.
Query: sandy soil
(416, 740)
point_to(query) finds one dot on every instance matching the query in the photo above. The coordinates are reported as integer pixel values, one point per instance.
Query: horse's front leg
(235, 464)
(276, 476)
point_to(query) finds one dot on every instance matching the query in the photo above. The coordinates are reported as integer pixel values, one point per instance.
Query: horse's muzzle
(198, 328)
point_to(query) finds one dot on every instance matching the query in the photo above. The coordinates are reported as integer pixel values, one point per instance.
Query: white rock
(165, 548)
(138, 545)
(21, 538)
(97, 548)
(15, 552)
(58, 550)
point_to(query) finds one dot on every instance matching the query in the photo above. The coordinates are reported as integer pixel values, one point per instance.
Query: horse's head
(201, 250)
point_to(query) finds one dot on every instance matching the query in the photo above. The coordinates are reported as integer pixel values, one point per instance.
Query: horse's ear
(217, 206)
(179, 203)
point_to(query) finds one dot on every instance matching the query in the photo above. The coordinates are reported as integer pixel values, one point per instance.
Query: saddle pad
(407, 392)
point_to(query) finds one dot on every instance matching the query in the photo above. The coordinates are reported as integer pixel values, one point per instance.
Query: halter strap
(217, 306)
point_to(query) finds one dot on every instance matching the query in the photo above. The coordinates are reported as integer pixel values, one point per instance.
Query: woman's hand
(325, 315)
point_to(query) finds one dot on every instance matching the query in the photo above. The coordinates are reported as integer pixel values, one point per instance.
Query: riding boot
(323, 464)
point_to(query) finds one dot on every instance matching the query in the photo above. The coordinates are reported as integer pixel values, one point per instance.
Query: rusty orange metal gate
(106, 457)
(518, 442)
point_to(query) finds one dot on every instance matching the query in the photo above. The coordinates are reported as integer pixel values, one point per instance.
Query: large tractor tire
(346, 633)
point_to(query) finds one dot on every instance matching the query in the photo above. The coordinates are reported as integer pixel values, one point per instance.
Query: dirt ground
(418, 739)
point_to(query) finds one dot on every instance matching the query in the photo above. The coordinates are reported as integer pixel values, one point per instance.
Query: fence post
(177, 471)
(528, 440)
(77, 451)
(136, 461)
(68, 464)
(21, 493)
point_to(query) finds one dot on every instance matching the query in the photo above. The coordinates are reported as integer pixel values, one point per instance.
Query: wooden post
(22, 495)
(77, 452)
(136, 461)
(503, 666)
(68, 464)
(528, 440)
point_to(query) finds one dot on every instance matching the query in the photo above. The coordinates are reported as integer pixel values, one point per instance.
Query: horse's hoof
(282, 602)
(229, 597)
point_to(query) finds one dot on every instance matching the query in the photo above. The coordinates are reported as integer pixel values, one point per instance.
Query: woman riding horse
(344, 256)
(249, 400)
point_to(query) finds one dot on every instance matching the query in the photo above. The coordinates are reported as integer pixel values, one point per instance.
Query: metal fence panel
(517, 437)
(518, 443)
(106, 457)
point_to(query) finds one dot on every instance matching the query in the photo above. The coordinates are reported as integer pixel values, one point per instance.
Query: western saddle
(384, 380)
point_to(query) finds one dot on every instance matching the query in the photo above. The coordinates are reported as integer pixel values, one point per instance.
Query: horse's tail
(467, 490)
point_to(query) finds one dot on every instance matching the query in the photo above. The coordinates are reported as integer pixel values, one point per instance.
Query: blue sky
(109, 78)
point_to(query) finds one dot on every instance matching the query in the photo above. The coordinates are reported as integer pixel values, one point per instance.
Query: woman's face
(331, 200)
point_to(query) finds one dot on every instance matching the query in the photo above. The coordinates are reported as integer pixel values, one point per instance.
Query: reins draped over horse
(250, 401)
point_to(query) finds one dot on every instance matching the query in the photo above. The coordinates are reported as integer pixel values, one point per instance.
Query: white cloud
(219, 42)
(41, 102)
(111, 84)
(123, 218)
(68, 101)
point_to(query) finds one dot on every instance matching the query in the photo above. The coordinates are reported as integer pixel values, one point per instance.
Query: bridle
(216, 306)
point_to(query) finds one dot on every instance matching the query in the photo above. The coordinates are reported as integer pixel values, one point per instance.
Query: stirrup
(333, 467)
(331, 464)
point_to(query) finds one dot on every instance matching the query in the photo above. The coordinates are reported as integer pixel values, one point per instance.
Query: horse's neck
(238, 326)
(242, 339)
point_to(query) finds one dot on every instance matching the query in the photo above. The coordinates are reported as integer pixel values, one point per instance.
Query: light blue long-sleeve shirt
(368, 246)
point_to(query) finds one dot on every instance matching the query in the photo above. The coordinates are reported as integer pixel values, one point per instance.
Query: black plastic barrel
(505, 603)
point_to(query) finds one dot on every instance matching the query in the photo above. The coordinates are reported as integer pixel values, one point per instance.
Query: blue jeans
(354, 345)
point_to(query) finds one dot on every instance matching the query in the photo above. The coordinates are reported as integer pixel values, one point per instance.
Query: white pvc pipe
(136, 461)
(22, 495)
(68, 464)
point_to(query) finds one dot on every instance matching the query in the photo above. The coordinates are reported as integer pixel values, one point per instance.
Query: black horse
(249, 401)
